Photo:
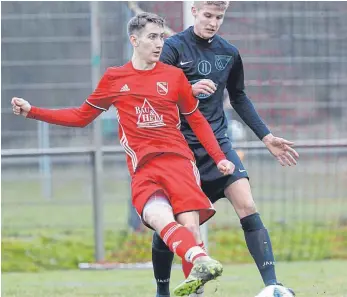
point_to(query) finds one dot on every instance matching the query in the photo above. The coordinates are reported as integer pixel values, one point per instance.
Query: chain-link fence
(295, 63)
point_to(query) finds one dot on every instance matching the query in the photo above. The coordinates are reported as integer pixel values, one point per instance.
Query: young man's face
(207, 20)
(148, 43)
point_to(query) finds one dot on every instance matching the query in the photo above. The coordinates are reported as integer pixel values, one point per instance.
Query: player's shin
(259, 245)
(162, 259)
(182, 242)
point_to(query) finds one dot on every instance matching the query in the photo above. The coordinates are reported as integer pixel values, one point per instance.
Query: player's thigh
(181, 180)
(143, 186)
(240, 195)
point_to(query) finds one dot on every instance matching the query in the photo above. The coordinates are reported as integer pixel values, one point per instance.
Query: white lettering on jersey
(148, 117)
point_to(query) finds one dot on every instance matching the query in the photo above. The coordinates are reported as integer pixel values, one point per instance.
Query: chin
(155, 59)
(210, 35)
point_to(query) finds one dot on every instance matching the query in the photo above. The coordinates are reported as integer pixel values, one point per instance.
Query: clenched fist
(20, 106)
(204, 86)
(226, 167)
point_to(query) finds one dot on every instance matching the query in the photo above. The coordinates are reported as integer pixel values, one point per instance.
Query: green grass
(304, 222)
(25, 211)
(309, 279)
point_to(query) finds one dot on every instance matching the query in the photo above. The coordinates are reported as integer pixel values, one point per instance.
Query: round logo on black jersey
(201, 96)
(204, 67)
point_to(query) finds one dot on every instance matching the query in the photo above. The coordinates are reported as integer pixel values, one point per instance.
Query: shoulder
(176, 40)
(117, 71)
(114, 70)
(226, 45)
(174, 74)
(174, 71)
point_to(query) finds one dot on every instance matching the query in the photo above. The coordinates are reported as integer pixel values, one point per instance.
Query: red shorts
(178, 178)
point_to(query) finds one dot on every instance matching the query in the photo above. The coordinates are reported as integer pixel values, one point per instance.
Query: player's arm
(96, 103)
(280, 148)
(188, 106)
(240, 101)
(169, 54)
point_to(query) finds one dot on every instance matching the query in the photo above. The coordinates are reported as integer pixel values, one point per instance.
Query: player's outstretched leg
(158, 214)
(181, 241)
(162, 259)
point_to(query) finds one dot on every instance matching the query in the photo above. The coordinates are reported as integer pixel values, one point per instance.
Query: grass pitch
(309, 279)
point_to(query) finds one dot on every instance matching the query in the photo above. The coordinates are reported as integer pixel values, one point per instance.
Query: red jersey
(148, 103)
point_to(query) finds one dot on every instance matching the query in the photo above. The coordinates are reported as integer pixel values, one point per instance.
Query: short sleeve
(187, 103)
(101, 97)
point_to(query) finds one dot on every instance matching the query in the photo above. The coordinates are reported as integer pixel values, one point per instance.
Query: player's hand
(226, 167)
(204, 86)
(20, 106)
(281, 149)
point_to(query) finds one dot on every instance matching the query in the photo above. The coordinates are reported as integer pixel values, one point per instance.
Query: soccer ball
(275, 291)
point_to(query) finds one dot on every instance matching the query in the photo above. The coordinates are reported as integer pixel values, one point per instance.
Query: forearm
(204, 133)
(245, 109)
(69, 117)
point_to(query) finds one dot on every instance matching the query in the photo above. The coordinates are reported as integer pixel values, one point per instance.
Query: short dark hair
(138, 22)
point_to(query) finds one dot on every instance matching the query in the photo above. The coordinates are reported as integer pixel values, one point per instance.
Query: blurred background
(71, 205)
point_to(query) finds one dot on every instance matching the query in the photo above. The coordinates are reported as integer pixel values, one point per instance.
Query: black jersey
(218, 60)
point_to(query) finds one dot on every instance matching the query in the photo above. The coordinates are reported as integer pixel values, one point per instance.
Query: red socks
(187, 266)
(180, 241)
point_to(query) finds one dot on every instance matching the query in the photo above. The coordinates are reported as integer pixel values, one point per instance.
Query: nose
(159, 44)
(213, 23)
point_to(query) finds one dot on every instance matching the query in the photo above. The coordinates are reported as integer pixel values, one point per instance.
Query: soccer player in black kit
(212, 64)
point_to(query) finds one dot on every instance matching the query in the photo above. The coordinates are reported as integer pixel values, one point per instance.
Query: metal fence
(296, 68)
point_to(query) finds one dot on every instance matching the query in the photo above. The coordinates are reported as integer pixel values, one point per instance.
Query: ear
(194, 11)
(134, 40)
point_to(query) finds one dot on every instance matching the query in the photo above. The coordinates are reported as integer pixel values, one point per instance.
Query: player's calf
(162, 259)
(259, 245)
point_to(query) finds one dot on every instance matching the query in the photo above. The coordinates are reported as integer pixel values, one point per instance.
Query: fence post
(97, 136)
(45, 161)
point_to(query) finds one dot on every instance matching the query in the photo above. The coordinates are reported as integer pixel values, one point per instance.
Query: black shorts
(213, 183)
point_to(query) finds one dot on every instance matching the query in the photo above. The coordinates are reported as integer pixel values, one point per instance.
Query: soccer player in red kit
(148, 96)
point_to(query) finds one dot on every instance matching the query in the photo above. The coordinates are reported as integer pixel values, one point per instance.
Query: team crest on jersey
(148, 117)
(162, 87)
(221, 61)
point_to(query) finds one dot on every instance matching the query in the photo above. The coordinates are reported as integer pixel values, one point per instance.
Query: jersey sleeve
(101, 97)
(169, 54)
(187, 103)
(100, 100)
(241, 103)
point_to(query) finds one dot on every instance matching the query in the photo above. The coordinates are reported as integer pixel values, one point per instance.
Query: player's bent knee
(158, 244)
(158, 212)
(249, 207)
(246, 208)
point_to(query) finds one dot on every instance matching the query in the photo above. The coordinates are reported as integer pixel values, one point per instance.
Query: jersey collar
(198, 39)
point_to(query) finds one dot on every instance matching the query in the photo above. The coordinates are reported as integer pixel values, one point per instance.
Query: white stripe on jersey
(196, 173)
(97, 107)
(179, 118)
(124, 143)
(188, 113)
